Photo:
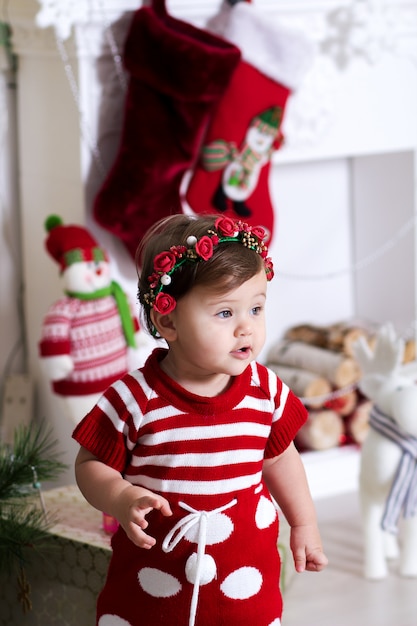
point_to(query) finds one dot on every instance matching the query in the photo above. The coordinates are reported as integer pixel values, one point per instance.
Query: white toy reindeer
(388, 474)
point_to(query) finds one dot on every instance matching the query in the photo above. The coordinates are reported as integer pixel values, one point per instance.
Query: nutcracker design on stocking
(241, 167)
(232, 172)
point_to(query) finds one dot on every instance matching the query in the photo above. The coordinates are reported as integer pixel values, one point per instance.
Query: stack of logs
(317, 363)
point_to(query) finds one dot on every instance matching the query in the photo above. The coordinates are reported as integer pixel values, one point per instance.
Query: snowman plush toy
(90, 337)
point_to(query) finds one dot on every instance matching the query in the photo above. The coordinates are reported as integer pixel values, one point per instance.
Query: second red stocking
(233, 171)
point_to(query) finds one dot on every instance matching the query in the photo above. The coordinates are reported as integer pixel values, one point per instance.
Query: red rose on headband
(204, 248)
(269, 268)
(225, 226)
(259, 232)
(164, 303)
(164, 261)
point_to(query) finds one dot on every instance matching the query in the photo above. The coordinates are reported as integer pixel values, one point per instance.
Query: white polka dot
(265, 513)
(276, 622)
(157, 583)
(219, 528)
(112, 620)
(208, 569)
(258, 489)
(243, 583)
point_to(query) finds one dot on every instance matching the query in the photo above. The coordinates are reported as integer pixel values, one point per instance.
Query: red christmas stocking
(233, 169)
(177, 74)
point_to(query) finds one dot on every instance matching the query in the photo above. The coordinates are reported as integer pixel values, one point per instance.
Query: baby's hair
(229, 266)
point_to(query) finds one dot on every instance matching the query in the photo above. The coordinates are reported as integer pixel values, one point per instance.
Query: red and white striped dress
(216, 560)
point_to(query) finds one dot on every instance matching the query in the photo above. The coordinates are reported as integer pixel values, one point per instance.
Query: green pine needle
(22, 528)
(23, 523)
(32, 456)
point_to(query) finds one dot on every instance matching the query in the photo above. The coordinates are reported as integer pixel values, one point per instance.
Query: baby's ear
(164, 324)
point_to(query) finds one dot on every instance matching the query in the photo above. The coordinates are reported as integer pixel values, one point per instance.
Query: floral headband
(167, 262)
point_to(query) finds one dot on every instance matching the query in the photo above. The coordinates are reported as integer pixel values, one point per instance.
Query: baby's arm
(106, 490)
(286, 479)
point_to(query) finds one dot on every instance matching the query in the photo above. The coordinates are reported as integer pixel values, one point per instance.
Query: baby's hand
(134, 504)
(307, 549)
(316, 561)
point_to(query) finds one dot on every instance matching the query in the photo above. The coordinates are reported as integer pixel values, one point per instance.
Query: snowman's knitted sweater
(90, 331)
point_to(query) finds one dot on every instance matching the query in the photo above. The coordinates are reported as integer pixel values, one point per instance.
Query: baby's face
(221, 333)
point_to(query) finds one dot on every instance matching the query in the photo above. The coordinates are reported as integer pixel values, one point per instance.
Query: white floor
(340, 596)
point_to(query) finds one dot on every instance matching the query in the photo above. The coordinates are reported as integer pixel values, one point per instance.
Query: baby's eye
(224, 314)
(256, 310)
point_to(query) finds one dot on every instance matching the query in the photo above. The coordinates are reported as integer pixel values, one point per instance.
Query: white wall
(384, 204)
(313, 241)
(358, 101)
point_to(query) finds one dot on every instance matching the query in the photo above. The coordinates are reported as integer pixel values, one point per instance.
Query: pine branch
(22, 527)
(33, 457)
(23, 523)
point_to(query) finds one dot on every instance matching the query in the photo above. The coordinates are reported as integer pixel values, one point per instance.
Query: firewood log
(342, 336)
(308, 333)
(338, 369)
(409, 351)
(323, 429)
(357, 423)
(337, 337)
(311, 388)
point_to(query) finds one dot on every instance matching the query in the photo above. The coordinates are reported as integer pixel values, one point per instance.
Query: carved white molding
(311, 109)
(356, 27)
(370, 30)
(346, 34)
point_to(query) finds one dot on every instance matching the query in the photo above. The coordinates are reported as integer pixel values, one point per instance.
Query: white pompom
(166, 279)
(208, 569)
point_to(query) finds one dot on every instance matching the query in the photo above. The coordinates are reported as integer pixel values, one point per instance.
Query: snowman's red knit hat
(69, 244)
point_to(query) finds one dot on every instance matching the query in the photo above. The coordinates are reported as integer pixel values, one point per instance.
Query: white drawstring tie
(177, 533)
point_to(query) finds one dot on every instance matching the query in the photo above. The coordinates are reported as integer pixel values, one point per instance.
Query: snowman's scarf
(403, 494)
(122, 303)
